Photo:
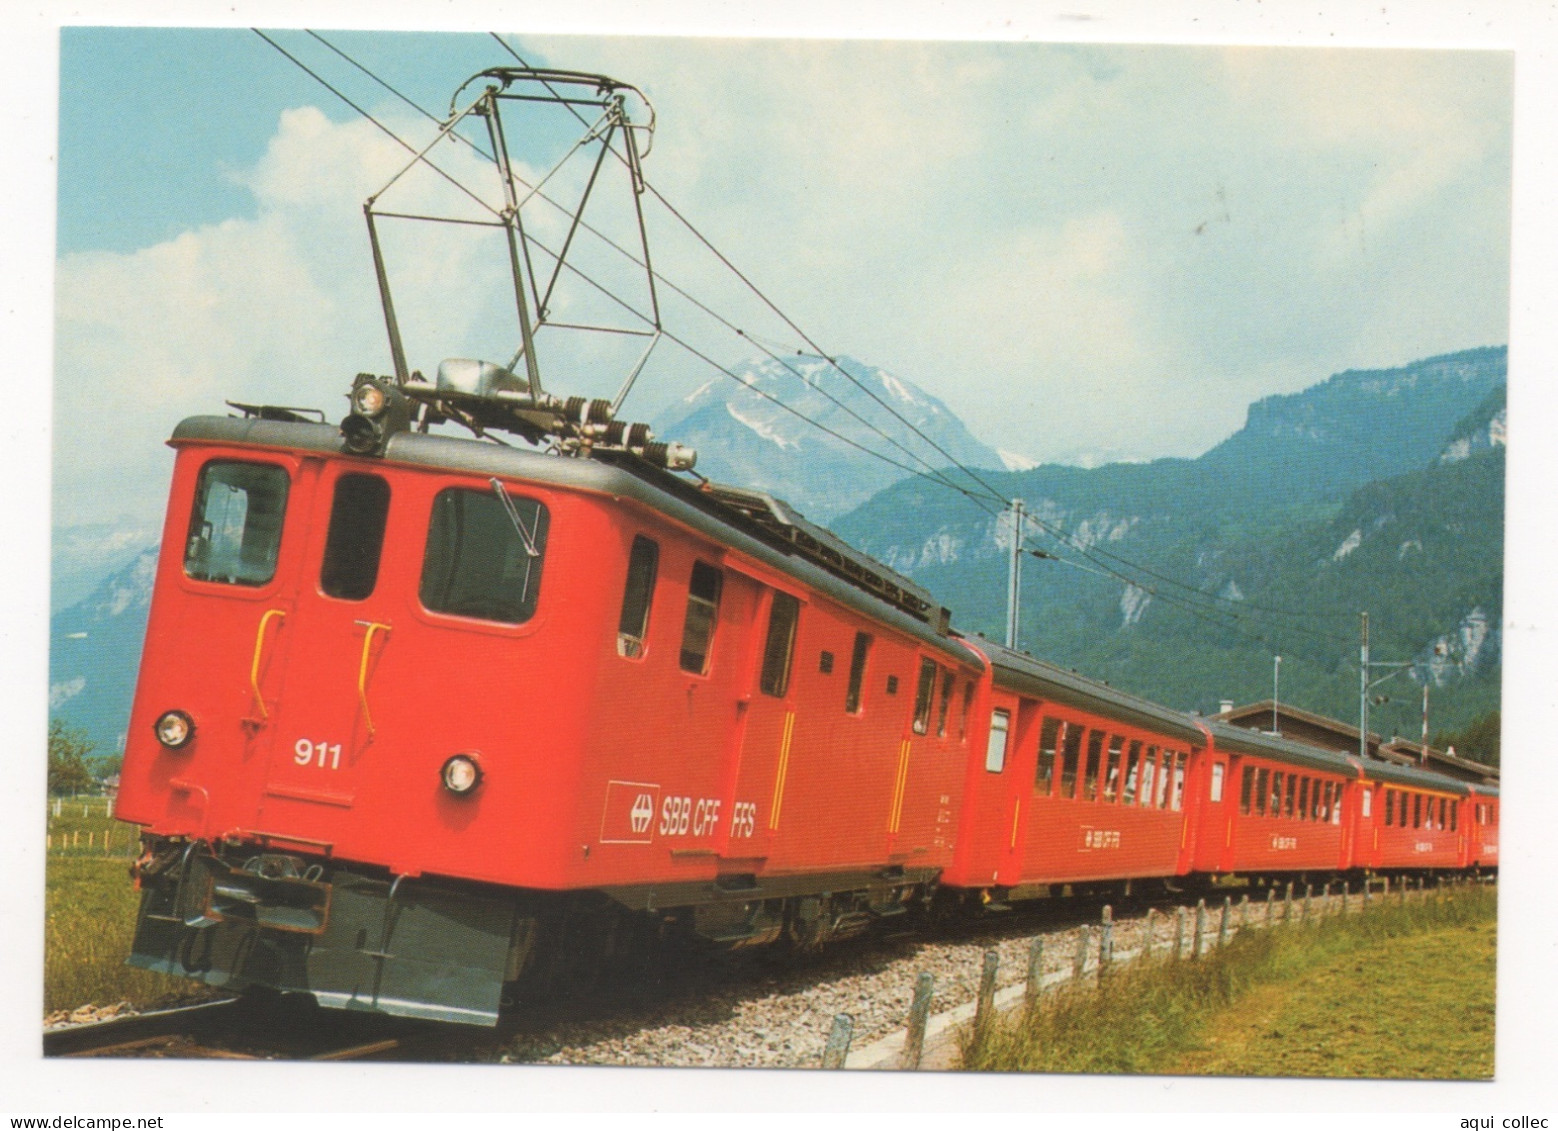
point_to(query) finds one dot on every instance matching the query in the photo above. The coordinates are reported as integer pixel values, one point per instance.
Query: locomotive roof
(1022, 672)
(702, 511)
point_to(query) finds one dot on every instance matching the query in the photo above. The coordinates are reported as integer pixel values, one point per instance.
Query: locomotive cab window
(637, 597)
(484, 554)
(948, 682)
(235, 525)
(703, 593)
(356, 538)
(779, 648)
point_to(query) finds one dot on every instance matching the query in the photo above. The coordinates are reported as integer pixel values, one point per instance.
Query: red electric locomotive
(421, 716)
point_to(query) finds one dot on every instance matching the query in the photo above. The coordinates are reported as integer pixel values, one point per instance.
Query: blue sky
(1089, 251)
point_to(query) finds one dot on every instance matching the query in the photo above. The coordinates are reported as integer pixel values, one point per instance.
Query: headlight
(461, 774)
(174, 729)
(368, 399)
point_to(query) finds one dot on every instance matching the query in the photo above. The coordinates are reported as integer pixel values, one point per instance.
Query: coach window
(995, 752)
(703, 594)
(1216, 791)
(235, 527)
(637, 596)
(1303, 797)
(1262, 782)
(356, 537)
(1132, 773)
(779, 648)
(1366, 804)
(1417, 810)
(924, 692)
(1095, 753)
(1178, 801)
(968, 704)
(1044, 777)
(1455, 813)
(1290, 799)
(1443, 817)
(484, 555)
(1071, 754)
(948, 682)
(1275, 799)
(1149, 775)
(1246, 788)
(1165, 777)
(1390, 807)
(1112, 773)
(857, 672)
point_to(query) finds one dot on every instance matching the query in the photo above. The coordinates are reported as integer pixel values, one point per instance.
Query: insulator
(600, 411)
(672, 456)
(614, 433)
(638, 436)
(576, 409)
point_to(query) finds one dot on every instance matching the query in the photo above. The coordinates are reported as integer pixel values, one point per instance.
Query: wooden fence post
(1271, 895)
(919, 1013)
(1223, 924)
(1309, 890)
(1035, 971)
(1287, 905)
(837, 1050)
(1200, 943)
(1346, 889)
(1106, 940)
(1179, 933)
(1149, 929)
(1084, 943)
(985, 1008)
(1244, 911)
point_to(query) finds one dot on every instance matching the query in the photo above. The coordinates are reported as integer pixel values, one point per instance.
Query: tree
(1478, 741)
(69, 751)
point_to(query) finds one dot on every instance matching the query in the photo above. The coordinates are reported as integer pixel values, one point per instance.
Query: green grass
(89, 919)
(84, 827)
(1305, 999)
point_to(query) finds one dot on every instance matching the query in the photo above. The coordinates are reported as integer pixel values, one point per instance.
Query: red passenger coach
(1416, 821)
(1285, 808)
(1079, 783)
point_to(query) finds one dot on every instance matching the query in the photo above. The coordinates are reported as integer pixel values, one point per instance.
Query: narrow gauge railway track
(685, 1006)
(262, 1028)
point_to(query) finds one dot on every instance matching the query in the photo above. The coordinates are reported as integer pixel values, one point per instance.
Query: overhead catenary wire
(983, 497)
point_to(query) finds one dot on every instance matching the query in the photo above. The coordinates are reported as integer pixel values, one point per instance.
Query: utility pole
(1014, 576)
(1363, 691)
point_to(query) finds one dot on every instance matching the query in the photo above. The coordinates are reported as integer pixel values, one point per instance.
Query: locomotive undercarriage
(357, 938)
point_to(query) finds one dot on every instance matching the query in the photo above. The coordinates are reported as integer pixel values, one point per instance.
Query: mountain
(1181, 579)
(743, 436)
(94, 653)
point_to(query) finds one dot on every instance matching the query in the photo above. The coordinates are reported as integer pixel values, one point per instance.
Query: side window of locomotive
(995, 752)
(948, 682)
(637, 597)
(779, 648)
(1044, 776)
(857, 672)
(968, 703)
(703, 593)
(235, 525)
(924, 692)
(358, 513)
(484, 555)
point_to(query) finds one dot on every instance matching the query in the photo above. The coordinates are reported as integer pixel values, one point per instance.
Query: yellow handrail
(362, 671)
(259, 650)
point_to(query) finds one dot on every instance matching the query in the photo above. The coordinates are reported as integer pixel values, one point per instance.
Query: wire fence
(85, 826)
